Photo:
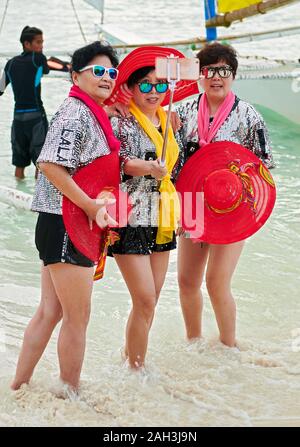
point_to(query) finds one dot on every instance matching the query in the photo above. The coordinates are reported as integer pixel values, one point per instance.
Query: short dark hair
(212, 53)
(138, 74)
(28, 34)
(83, 56)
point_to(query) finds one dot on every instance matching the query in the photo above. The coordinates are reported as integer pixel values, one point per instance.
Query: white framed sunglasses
(99, 71)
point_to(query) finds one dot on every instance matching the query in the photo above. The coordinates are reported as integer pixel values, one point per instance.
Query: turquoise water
(186, 384)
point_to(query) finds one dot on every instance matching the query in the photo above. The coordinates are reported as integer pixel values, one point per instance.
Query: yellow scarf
(169, 208)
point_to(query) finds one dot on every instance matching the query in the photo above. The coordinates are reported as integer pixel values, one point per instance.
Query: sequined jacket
(244, 125)
(74, 139)
(143, 190)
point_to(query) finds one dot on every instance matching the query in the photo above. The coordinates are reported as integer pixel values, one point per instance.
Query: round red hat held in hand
(226, 193)
(99, 178)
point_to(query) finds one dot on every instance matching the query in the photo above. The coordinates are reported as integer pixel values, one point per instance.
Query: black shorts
(139, 241)
(54, 244)
(28, 134)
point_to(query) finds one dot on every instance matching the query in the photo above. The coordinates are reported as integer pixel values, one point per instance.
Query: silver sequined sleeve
(63, 143)
(244, 125)
(142, 190)
(123, 129)
(259, 140)
(74, 139)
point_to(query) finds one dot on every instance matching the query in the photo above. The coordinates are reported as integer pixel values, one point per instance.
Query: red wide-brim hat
(103, 174)
(226, 193)
(146, 57)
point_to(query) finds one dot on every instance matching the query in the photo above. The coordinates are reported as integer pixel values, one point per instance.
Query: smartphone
(150, 155)
(167, 68)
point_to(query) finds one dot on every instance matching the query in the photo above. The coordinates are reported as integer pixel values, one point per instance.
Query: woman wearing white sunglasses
(79, 133)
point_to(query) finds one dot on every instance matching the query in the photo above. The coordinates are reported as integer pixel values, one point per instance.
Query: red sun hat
(146, 57)
(103, 174)
(226, 193)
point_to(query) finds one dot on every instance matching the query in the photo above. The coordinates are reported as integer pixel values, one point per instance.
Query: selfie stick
(172, 86)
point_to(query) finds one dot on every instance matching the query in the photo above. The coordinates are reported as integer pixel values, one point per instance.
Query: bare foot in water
(15, 385)
(124, 354)
(63, 390)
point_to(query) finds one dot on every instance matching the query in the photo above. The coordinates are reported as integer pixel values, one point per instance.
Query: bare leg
(192, 259)
(159, 265)
(19, 173)
(220, 268)
(38, 331)
(137, 273)
(73, 285)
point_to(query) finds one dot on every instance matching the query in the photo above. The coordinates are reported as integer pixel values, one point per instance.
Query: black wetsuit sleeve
(41, 61)
(46, 69)
(4, 80)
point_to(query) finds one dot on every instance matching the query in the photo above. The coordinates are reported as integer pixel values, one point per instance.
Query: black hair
(28, 34)
(213, 53)
(137, 75)
(83, 56)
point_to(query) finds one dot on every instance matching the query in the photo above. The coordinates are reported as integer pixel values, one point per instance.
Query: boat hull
(282, 95)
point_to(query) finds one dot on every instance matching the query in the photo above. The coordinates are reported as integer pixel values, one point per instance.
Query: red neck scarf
(100, 115)
(206, 132)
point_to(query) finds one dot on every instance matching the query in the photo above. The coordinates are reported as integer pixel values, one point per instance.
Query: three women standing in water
(77, 137)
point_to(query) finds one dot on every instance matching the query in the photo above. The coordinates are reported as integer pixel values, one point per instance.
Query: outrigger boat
(274, 84)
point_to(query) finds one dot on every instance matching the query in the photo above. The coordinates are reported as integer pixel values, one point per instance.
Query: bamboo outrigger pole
(258, 8)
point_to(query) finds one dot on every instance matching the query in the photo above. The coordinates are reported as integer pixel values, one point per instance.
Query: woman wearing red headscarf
(80, 133)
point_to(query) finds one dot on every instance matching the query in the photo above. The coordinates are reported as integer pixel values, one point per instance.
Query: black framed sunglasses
(146, 87)
(99, 71)
(209, 72)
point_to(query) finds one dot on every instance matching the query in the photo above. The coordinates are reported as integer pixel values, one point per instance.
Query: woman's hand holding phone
(156, 170)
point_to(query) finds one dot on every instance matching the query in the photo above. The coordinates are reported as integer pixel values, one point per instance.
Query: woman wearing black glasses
(216, 115)
(79, 134)
(142, 253)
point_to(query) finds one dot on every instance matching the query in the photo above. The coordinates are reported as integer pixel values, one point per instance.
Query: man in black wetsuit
(30, 125)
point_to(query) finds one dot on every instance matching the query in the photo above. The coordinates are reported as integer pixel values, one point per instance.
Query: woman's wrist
(151, 165)
(85, 204)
